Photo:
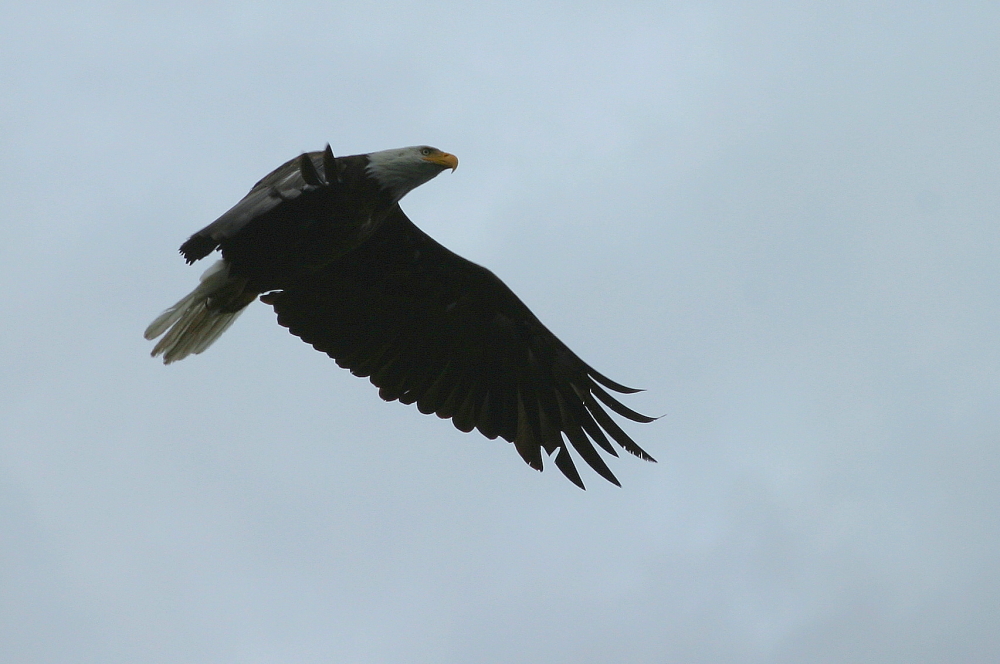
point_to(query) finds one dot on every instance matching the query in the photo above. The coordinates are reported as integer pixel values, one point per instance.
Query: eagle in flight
(322, 239)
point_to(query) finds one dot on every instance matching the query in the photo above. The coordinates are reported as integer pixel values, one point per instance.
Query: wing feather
(283, 184)
(431, 328)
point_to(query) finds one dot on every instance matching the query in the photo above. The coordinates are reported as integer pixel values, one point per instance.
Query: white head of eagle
(402, 170)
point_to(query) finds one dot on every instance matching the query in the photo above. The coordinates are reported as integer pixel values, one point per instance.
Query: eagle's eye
(425, 151)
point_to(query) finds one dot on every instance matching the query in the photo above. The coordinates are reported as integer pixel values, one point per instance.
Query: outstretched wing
(429, 327)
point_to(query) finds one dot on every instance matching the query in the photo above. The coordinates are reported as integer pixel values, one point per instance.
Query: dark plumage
(324, 242)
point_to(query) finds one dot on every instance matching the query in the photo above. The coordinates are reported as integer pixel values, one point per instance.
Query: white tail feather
(190, 325)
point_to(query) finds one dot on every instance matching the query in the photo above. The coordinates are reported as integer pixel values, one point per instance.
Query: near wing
(431, 328)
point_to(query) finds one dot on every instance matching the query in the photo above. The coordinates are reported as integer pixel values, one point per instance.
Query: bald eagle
(324, 241)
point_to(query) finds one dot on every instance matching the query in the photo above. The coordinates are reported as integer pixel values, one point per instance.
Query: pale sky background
(781, 219)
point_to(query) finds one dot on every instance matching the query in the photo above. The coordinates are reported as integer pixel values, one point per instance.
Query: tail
(194, 323)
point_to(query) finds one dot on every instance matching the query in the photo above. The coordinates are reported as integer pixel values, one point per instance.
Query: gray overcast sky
(779, 218)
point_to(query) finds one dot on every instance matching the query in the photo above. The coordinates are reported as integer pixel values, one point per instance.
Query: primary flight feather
(322, 239)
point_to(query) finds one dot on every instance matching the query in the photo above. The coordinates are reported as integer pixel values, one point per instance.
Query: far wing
(429, 327)
(305, 173)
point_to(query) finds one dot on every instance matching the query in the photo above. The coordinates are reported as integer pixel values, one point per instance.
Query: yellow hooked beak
(443, 159)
